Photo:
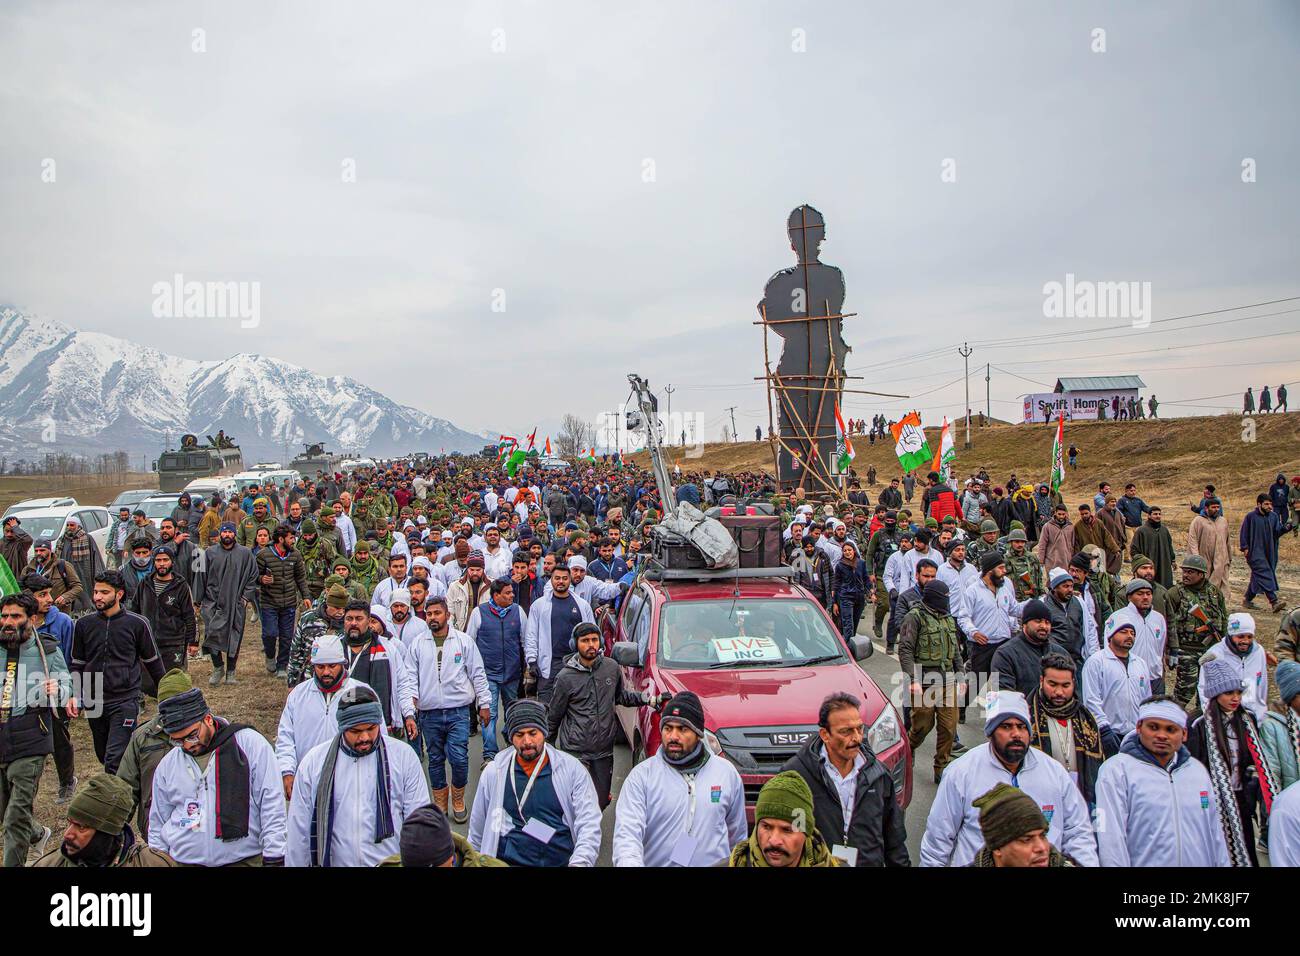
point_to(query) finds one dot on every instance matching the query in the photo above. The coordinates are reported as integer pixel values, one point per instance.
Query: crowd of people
(408, 607)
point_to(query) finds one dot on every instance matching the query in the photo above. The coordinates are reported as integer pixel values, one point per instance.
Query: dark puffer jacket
(289, 585)
(582, 720)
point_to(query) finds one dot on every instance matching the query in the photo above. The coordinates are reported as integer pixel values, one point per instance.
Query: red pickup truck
(761, 653)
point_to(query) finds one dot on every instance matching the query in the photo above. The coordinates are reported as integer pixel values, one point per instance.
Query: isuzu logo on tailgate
(793, 737)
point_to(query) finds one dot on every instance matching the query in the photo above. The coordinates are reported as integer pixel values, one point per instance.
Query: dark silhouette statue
(811, 360)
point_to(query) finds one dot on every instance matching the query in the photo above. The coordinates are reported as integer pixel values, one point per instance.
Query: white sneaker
(42, 839)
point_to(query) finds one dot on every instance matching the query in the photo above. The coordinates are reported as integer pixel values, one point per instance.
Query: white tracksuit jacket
(952, 831)
(658, 805)
(183, 818)
(537, 636)
(309, 718)
(1151, 816)
(1254, 676)
(1152, 635)
(573, 788)
(452, 678)
(354, 803)
(1112, 692)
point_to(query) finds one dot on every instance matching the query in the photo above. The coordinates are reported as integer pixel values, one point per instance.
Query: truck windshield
(755, 633)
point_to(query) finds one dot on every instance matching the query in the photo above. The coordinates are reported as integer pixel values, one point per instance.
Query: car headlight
(711, 741)
(884, 732)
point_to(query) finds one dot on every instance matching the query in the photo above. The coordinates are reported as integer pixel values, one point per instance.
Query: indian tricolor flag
(943, 458)
(1058, 453)
(843, 447)
(548, 446)
(910, 445)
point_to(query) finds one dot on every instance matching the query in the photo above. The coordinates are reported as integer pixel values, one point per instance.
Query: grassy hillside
(1169, 460)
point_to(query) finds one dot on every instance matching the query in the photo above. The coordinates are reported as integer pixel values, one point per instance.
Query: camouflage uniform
(311, 626)
(882, 544)
(318, 557)
(1288, 638)
(977, 547)
(1021, 566)
(1187, 635)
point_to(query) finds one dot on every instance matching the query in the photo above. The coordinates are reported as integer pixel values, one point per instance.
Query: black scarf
(691, 762)
(376, 673)
(1087, 737)
(232, 782)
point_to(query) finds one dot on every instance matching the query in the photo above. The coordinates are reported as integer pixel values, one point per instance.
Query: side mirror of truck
(626, 654)
(861, 647)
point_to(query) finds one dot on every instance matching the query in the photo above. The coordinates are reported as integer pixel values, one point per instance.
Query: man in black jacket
(165, 600)
(1066, 614)
(854, 800)
(1018, 663)
(581, 715)
(108, 649)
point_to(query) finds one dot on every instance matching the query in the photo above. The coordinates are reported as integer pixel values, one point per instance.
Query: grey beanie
(1288, 680)
(1219, 677)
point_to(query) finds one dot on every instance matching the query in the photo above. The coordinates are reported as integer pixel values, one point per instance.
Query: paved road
(882, 668)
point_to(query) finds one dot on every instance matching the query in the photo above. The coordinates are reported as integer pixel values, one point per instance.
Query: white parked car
(37, 504)
(157, 507)
(205, 488)
(50, 523)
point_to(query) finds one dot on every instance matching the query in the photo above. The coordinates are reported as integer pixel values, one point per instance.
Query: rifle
(1198, 612)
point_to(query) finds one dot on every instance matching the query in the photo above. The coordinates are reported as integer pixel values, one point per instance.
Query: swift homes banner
(1078, 406)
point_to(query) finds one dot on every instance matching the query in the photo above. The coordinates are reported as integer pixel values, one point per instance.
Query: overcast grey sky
(523, 169)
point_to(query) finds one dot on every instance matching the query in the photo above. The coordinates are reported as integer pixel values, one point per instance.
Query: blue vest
(500, 641)
(518, 848)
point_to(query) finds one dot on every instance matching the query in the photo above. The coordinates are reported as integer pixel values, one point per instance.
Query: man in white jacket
(354, 790)
(402, 622)
(683, 806)
(1284, 828)
(1155, 802)
(535, 805)
(592, 590)
(206, 811)
(1152, 633)
(551, 620)
(1246, 655)
(1115, 682)
(496, 556)
(397, 579)
(308, 716)
(952, 831)
(449, 677)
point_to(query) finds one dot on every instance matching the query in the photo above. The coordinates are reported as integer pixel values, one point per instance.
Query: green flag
(7, 583)
(516, 459)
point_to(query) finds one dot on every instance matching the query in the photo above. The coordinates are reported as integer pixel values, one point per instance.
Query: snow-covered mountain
(89, 393)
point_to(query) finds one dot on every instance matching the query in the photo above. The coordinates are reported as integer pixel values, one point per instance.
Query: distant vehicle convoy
(177, 468)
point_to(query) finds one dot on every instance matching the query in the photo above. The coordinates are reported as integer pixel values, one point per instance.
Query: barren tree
(576, 436)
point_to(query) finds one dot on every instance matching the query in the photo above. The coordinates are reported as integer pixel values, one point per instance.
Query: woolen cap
(104, 802)
(685, 708)
(426, 838)
(787, 797)
(1007, 813)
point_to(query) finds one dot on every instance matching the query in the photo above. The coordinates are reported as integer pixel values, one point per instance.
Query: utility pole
(988, 400)
(965, 352)
(668, 390)
(732, 409)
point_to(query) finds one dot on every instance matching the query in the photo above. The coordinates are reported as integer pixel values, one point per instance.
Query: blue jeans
(504, 694)
(277, 623)
(446, 737)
